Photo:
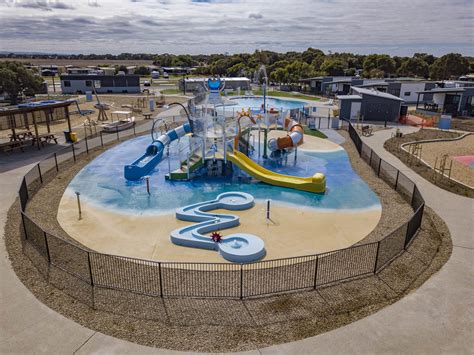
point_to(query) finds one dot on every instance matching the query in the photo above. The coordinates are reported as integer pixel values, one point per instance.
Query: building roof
(349, 97)
(442, 91)
(370, 85)
(382, 95)
(340, 81)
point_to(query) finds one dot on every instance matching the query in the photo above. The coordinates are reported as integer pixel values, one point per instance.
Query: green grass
(314, 133)
(171, 91)
(287, 94)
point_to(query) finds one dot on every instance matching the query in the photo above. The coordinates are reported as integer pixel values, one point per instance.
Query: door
(355, 110)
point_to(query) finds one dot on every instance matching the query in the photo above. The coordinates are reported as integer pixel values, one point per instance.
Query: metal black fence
(109, 282)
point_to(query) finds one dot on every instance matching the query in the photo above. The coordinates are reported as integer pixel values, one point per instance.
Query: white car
(146, 83)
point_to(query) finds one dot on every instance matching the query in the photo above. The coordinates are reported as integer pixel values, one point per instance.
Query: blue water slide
(154, 153)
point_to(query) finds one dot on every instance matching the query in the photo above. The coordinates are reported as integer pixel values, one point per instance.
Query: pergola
(24, 117)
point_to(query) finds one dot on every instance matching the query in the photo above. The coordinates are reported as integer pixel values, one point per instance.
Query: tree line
(289, 67)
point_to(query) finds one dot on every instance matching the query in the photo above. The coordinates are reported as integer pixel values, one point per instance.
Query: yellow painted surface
(316, 183)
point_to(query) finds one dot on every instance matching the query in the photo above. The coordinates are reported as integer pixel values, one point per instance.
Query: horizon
(236, 26)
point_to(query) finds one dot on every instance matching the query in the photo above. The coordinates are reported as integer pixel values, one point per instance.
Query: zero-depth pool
(257, 102)
(102, 182)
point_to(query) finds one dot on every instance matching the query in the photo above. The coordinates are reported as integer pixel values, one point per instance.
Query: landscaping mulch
(393, 145)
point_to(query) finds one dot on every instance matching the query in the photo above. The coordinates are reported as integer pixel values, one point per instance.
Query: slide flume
(316, 183)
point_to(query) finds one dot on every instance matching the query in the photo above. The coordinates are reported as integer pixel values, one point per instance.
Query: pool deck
(436, 318)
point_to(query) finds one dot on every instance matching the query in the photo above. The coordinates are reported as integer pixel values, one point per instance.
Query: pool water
(257, 102)
(102, 183)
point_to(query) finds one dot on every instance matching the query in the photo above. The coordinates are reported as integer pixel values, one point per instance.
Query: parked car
(146, 83)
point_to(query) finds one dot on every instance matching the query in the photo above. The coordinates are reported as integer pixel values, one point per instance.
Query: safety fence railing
(110, 282)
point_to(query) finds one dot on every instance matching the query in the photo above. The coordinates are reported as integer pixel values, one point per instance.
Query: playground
(302, 194)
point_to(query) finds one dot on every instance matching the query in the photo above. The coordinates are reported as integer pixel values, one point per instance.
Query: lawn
(314, 132)
(287, 94)
(171, 91)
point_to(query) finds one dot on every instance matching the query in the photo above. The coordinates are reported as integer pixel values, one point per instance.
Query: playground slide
(294, 137)
(316, 183)
(154, 153)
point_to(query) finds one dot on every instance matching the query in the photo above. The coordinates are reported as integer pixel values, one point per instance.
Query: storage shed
(369, 105)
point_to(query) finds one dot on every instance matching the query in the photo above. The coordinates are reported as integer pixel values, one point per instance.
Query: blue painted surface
(237, 247)
(102, 182)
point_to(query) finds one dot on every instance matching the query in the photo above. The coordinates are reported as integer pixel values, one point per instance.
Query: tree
(414, 67)
(16, 80)
(380, 62)
(121, 68)
(279, 75)
(448, 66)
(236, 70)
(428, 58)
(142, 71)
(333, 67)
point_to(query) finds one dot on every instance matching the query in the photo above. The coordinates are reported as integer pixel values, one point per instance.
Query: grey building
(457, 101)
(74, 84)
(369, 105)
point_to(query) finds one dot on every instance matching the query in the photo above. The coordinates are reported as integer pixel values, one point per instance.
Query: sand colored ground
(309, 142)
(465, 146)
(292, 232)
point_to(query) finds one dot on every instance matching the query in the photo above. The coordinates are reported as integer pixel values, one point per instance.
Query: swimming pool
(102, 183)
(257, 102)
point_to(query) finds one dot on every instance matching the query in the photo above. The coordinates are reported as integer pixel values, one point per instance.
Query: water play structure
(238, 248)
(219, 144)
(154, 153)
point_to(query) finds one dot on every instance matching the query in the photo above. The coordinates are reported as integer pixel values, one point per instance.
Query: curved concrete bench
(238, 247)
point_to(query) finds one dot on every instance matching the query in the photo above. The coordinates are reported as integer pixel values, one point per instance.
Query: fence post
(241, 281)
(87, 146)
(56, 162)
(73, 151)
(47, 247)
(380, 163)
(370, 159)
(134, 131)
(24, 225)
(116, 130)
(396, 180)
(316, 271)
(91, 278)
(101, 140)
(161, 279)
(377, 257)
(413, 195)
(39, 172)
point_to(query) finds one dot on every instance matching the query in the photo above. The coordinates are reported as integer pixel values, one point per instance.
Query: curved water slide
(154, 153)
(293, 139)
(237, 247)
(316, 183)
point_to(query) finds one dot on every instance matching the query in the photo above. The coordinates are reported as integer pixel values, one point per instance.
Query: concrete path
(437, 318)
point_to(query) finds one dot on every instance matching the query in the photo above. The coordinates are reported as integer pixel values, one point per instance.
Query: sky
(395, 27)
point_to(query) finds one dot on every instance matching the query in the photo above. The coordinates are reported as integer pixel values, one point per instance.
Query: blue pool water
(257, 102)
(102, 182)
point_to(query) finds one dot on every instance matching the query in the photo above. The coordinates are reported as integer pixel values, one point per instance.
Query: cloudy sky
(397, 27)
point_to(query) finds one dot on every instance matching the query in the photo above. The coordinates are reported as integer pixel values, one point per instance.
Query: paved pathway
(437, 318)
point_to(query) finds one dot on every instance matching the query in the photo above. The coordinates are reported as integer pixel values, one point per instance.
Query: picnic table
(147, 115)
(20, 136)
(44, 139)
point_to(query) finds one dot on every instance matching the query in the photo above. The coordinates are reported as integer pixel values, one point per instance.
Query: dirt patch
(393, 145)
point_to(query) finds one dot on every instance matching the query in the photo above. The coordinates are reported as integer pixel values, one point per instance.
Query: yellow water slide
(316, 183)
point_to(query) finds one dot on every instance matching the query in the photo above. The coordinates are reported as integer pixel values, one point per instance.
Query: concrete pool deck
(436, 318)
(292, 232)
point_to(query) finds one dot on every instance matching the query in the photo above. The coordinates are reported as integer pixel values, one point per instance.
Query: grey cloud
(45, 5)
(256, 16)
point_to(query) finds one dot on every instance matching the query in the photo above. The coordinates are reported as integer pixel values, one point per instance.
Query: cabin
(456, 101)
(103, 84)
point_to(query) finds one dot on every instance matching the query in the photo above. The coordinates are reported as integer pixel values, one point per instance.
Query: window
(67, 83)
(88, 83)
(407, 93)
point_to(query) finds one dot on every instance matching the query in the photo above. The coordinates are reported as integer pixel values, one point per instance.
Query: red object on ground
(417, 121)
(465, 159)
